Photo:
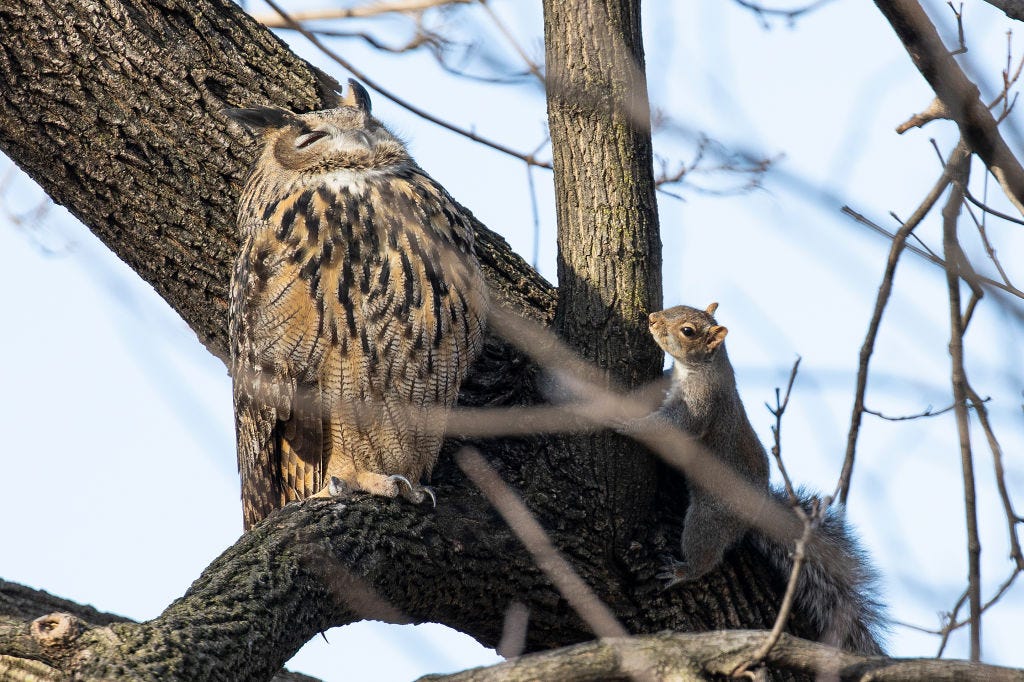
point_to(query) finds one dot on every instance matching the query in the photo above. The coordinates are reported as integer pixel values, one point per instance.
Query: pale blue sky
(121, 483)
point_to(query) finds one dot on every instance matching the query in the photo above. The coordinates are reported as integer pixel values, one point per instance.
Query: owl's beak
(353, 142)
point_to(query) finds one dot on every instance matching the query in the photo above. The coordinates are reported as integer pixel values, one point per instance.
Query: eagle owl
(357, 306)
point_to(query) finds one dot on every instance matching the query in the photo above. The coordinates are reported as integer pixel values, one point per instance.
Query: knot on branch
(56, 629)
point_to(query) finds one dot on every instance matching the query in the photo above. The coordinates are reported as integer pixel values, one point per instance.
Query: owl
(356, 308)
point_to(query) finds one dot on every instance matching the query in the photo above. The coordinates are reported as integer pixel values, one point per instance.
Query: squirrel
(836, 588)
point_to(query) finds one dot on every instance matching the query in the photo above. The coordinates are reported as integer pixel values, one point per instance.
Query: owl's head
(345, 138)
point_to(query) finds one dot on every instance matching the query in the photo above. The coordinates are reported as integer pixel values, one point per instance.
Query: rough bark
(609, 249)
(113, 108)
(686, 658)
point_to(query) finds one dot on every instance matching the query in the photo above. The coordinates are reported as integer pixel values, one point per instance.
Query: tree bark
(113, 108)
(687, 658)
(609, 249)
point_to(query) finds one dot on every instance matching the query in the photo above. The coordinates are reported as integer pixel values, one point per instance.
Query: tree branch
(960, 96)
(697, 657)
(953, 255)
(373, 9)
(899, 242)
(1014, 9)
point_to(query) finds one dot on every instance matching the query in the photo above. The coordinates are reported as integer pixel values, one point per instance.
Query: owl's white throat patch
(351, 180)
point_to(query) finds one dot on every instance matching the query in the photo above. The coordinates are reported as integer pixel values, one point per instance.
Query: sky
(106, 387)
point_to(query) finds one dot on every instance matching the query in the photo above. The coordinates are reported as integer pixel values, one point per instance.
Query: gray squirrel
(836, 589)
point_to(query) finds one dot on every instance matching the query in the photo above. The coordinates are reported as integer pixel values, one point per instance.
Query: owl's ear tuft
(259, 119)
(357, 96)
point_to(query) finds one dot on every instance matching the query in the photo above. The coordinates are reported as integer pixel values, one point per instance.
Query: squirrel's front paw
(628, 427)
(674, 572)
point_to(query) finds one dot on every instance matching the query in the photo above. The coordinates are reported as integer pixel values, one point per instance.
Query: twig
(977, 126)
(989, 249)
(788, 14)
(959, 14)
(777, 412)
(990, 210)
(361, 12)
(928, 412)
(799, 557)
(899, 242)
(370, 83)
(810, 523)
(531, 64)
(952, 624)
(536, 216)
(587, 605)
(913, 235)
(951, 250)
(1008, 81)
(513, 631)
(1012, 519)
(927, 254)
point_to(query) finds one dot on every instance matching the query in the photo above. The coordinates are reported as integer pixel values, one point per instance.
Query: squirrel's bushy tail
(837, 588)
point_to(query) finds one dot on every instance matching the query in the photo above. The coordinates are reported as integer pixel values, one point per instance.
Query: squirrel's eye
(306, 139)
(688, 331)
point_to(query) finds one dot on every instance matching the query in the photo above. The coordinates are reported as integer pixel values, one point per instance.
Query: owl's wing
(278, 406)
(439, 304)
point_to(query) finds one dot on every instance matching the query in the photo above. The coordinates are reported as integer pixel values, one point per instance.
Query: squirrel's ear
(357, 97)
(653, 317)
(716, 335)
(712, 307)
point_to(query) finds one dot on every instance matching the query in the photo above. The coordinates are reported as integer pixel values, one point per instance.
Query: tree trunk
(113, 108)
(609, 250)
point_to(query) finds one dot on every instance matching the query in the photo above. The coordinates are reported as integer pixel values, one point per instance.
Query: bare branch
(928, 412)
(952, 252)
(373, 85)
(928, 255)
(531, 63)
(810, 522)
(1014, 9)
(899, 242)
(692, 657)
(977, 126)
(1012, 519)
(360, 12)
(581, 598)
(789, 15)
(958, 14)
(990, 210)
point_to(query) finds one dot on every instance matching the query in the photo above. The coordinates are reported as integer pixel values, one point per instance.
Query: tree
(138, 177)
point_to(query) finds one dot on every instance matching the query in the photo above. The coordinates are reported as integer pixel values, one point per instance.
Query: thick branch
(672, 656)
(1014, 9)
(113, 109)
(137, 149)
(960, 96)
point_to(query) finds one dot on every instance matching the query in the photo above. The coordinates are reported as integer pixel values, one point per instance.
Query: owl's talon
(401, 479)
(416, 493)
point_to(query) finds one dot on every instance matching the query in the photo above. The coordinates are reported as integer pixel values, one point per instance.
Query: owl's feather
(357, 306)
